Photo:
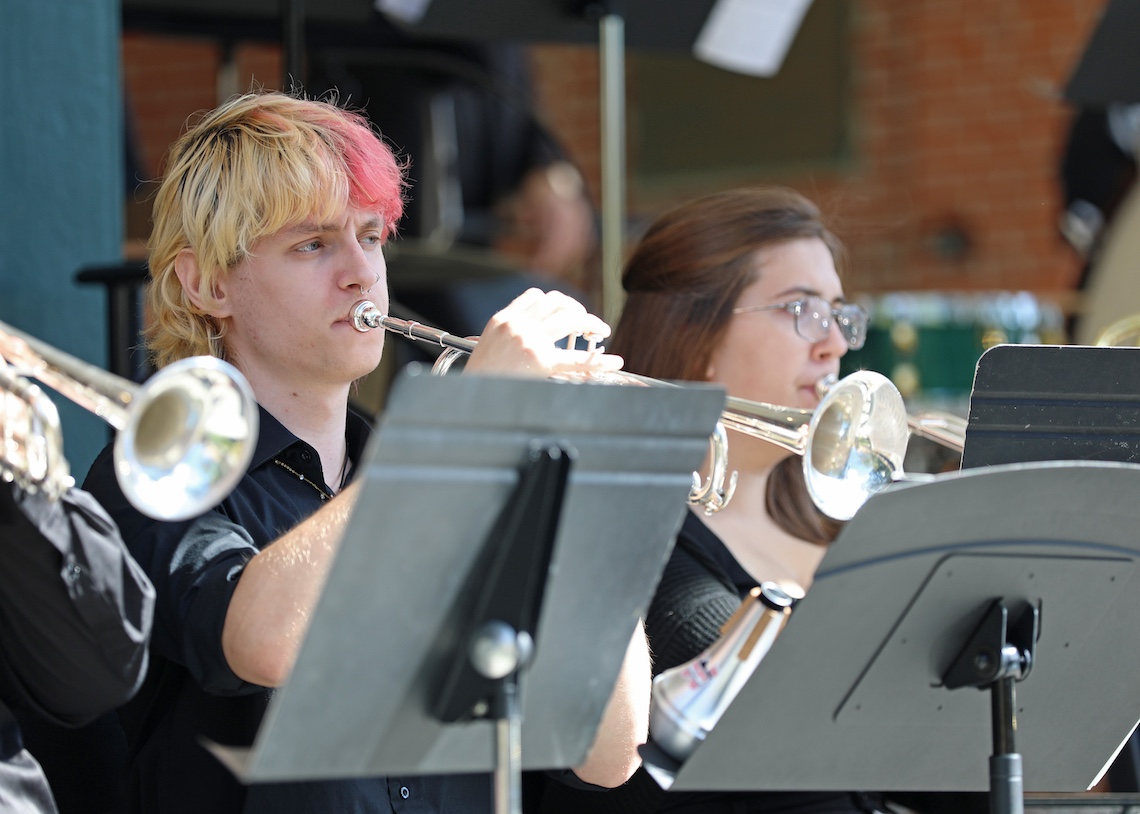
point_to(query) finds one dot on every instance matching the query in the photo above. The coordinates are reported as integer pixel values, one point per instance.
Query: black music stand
(979, 578)
(853, 695)
(1054, 402)
(1090, 412)
(423, 541)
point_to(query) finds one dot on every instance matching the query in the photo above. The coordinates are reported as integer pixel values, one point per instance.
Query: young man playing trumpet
(269, 226)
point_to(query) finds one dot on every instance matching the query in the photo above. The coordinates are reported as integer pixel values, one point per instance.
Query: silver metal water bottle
(690, 698)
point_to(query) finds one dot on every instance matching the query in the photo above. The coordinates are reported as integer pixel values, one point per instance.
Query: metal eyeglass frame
(851, 318)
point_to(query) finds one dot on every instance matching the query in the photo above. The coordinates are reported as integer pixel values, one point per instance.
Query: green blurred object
(929, 343)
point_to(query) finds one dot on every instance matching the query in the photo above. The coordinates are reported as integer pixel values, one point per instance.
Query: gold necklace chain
(324, 495)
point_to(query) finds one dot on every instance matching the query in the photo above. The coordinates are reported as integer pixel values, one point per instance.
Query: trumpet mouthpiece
(365, 316)
(824, 385)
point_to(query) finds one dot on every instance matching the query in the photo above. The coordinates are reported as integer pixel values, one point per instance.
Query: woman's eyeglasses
(814, 315)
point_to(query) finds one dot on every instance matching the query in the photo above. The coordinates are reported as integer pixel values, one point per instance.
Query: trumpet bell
(852, 444)
(185, 437)
(189, 438)
(945, 429)
(855, 443)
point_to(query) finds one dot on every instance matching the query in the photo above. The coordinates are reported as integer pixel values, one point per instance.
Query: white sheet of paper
(750, 36)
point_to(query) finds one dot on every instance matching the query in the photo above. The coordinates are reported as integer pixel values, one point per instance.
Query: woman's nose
(834, 345)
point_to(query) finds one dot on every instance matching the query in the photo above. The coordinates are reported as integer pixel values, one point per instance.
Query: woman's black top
(700, 588)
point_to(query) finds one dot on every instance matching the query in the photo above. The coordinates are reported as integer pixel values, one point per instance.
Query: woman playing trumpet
(739, 288)
(747, 280)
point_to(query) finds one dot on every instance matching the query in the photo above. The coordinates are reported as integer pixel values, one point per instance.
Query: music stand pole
(508, 750)
(496, 646)
(1007, 793)
(497, 643)
(293, 37)
(500, 619)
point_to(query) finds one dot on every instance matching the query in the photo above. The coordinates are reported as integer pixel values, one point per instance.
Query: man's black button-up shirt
(191, 693)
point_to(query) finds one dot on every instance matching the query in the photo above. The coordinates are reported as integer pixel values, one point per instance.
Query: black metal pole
(293, 39)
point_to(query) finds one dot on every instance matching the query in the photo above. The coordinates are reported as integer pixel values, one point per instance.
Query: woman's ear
(190, 275)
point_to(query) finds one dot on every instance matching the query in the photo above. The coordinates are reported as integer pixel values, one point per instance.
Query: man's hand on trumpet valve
(520, 339)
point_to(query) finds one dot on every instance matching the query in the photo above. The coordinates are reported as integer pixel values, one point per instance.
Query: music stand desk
(436, 474)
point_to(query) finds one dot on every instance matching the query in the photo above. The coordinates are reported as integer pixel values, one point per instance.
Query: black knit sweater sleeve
(693, 600)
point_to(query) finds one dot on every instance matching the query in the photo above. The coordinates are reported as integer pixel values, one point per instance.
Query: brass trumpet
(1123, 333)
(852, 444)
(185, 437)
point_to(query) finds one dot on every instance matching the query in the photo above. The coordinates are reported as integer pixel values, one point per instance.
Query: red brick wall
(959, 120)
(958, 124)
(168, 79)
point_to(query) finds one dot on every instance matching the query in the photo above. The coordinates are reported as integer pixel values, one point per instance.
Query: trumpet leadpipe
(366, 316)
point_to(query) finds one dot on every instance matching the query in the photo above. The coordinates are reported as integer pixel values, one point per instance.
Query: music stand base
(1007, 793)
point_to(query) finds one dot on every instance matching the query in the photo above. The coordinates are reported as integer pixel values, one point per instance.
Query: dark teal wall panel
(61, 181)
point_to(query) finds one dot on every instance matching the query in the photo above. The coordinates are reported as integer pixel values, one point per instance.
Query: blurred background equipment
(749, 37)
(1124, 333)
(1113, 288)
(1101, 219)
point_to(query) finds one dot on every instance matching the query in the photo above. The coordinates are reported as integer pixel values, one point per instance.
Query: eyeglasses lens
(813, 321)
(853, 324)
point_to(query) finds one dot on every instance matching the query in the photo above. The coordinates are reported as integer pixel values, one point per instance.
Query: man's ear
(190, 275)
